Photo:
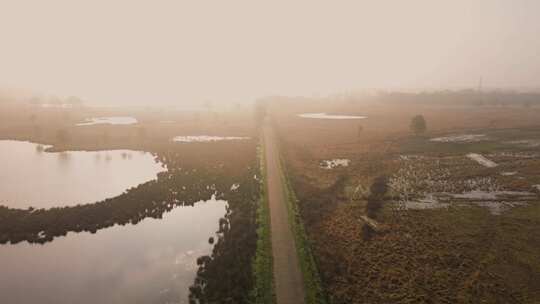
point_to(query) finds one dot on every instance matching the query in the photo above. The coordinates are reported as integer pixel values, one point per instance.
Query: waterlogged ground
(32, 177)
(112, 120)
(424, 182)
(333, 163)
(153, 261)
(329, 116)
(462, 138)
(459, 224)
(205, 138)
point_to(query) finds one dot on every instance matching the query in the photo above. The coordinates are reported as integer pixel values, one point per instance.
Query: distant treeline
(464, 97)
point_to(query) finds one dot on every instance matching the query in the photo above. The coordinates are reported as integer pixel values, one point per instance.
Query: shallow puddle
(333, 163)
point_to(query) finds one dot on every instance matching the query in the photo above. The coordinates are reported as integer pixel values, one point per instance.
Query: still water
(112, 120)
(205, 138)
(329, 116)
(31, 177)
(153, 261)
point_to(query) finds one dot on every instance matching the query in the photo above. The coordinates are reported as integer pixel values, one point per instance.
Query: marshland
(279, 152)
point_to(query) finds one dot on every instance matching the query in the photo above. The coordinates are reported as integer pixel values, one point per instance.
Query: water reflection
(63, 159)
(151, 262)
(31, 177)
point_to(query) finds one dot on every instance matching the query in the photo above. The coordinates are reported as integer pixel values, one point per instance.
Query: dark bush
(379, 187)
(367, 232)
(378, 190)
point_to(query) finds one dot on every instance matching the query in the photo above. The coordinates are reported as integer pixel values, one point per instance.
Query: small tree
(374, 202)
(379, 187)
(360, 130)
(418, 124)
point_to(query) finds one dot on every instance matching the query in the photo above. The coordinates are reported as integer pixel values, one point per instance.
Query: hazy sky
(182, 51)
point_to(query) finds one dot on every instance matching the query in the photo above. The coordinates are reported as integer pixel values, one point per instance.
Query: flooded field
(113, 120)
(205, 138)
(154, 261)
(329, 116)
(464, 138)
(32, 177)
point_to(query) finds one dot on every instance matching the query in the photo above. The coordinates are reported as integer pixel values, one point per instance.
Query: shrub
(418, 124)
(379, 186)
(367, 232)
(378, 190)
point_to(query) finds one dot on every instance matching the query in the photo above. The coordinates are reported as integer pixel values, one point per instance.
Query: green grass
(314, 293)
(263, 292)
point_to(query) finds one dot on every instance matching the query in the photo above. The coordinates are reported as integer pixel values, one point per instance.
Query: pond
(329, 116)
(153, 261)
(112, 120)
(29, 176)
(205, 138)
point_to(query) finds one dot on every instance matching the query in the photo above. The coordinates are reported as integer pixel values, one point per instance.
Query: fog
(183, 52)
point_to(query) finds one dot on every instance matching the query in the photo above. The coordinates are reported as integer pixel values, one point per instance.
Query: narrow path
(289, 286)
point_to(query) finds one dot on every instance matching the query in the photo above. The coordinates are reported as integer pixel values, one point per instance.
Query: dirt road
(289, 287)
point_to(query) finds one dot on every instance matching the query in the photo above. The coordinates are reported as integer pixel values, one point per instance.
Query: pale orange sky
(190, 51)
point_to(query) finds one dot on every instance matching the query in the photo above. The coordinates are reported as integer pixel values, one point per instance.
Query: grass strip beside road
(263, 292)
(314, 293)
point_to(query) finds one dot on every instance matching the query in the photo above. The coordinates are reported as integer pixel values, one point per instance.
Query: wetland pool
(330, 116)
(112, 120)
(153, 261)
(31, 177)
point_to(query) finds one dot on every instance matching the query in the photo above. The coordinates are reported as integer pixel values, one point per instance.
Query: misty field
(432, 202)
(269, 152)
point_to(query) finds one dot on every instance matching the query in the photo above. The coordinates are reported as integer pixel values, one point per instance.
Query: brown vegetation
(454, 255)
